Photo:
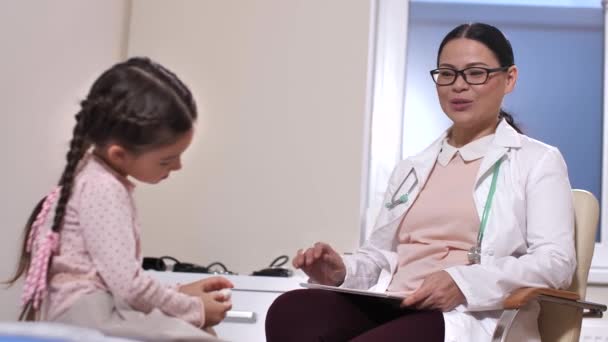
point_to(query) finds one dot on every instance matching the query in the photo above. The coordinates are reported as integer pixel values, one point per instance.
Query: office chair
(562, 311)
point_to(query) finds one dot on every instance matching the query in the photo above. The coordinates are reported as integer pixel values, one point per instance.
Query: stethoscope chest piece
(395, 202)
(474, 255)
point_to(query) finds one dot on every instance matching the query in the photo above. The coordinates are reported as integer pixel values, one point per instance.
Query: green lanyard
(486, 209)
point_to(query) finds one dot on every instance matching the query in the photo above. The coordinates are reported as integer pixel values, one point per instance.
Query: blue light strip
(545, 3)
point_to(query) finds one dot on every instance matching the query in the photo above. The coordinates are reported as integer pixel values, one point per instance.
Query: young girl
(83, 262)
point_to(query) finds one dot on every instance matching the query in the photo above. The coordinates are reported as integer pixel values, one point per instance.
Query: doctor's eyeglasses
(473, 75)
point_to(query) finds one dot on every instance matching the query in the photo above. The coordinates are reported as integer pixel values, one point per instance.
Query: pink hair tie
(36, 280)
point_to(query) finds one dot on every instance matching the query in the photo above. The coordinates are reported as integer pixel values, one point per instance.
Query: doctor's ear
(512, 74)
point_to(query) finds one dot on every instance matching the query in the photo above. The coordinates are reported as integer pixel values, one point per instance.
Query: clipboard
(382, 295)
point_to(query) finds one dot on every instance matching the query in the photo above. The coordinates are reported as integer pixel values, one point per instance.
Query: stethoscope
(403, 198)
(474, 254)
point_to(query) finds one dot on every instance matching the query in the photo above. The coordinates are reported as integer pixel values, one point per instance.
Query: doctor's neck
(460, 135)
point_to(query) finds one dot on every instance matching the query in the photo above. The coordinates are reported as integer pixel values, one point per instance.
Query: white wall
(51, 52)
(278, 156)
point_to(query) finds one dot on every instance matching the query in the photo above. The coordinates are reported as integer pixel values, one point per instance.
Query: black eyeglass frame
(464, 77)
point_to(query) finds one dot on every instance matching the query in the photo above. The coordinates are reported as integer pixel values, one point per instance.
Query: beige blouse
(442, 224)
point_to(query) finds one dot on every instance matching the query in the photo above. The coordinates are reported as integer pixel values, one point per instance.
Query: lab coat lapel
(505, 138)
(417, 172)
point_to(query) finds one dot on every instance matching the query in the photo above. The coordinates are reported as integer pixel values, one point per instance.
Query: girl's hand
(437, 292)
(210, 331)
(322, 264)
(206, 285)
(215, 308)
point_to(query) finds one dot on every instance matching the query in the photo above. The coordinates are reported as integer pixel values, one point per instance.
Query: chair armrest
(523, 296)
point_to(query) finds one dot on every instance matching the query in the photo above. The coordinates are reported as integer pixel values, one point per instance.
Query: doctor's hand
(322, 264)
(437, 292)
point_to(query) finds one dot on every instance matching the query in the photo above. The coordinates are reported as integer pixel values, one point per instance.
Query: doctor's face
(473, 105)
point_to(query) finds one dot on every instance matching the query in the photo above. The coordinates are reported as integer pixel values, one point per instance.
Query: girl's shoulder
(94, 176)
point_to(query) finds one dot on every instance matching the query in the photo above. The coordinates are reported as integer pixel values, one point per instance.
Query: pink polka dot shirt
(100, 250)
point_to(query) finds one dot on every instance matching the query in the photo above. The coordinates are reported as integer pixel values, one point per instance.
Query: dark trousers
(325, 316)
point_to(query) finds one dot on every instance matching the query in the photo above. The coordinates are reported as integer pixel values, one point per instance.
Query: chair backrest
(562, 323)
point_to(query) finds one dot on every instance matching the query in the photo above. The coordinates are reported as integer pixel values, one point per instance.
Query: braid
(125, 114)
(167, 77)
(78, 147)
(138, 116)
(178, 86)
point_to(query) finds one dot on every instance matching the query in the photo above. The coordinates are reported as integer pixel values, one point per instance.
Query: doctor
(482, 211)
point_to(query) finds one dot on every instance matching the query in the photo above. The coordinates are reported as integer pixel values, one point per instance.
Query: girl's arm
(107, 219)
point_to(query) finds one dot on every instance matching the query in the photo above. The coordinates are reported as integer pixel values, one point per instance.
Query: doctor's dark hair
(494, 40)
(137, 104)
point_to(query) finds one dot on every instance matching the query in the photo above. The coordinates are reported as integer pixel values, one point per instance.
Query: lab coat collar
(505, 138)
(472, 151)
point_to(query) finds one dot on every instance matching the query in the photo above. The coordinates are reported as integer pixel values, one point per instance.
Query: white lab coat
(528, 241)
